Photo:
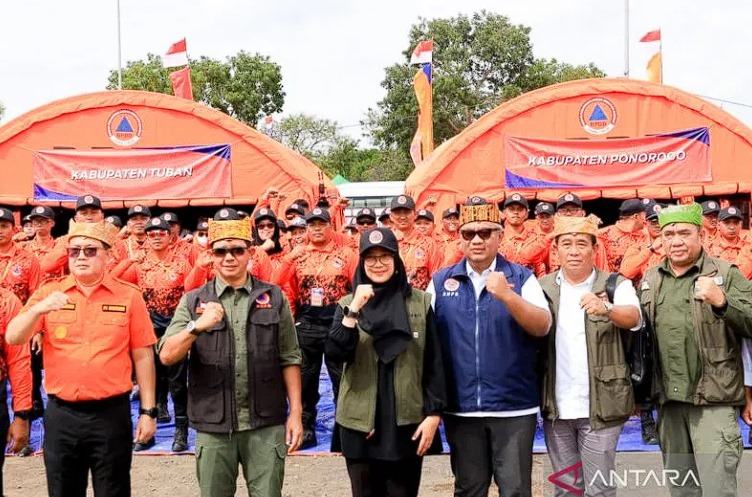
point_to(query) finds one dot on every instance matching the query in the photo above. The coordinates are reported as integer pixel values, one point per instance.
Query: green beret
(690, 214)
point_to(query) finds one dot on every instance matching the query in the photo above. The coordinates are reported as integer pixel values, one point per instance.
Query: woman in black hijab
(393, 390)
(266, 235)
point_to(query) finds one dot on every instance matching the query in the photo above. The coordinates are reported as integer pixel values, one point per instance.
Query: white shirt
(572, 373)
(530, 292)
(747, 360)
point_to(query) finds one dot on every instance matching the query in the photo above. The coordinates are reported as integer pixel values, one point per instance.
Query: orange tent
(81, 123)
(473, 162)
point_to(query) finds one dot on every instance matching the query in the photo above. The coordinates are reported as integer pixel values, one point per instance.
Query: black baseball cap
(544, 208)
(320, 214)
(568, 198)
(516, 198)
(139, 210)
(115, 221)
(7, 215)
(282, 226)
(226, 214)
(366, 213)
(424, 214)
(730, 213)
(652, 209)
(302, 203)
(203, 226)
(402, 202)
(379, 237)
(296, 208)
(710, 207)
(88, 201)
(297, 222)
(385, 214)
(170, 217)
(158, 223)
(26, 219)
(631, 206)
(41, 211)
(264, 214)
(452, 211)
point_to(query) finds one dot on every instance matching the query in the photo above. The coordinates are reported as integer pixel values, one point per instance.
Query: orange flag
(181, 83)
(655, 69)
(424, 93)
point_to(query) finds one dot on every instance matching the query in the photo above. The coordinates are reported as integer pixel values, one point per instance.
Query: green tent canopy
(339, 180)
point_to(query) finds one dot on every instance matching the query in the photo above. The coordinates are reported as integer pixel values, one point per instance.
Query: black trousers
(482, 448)
(82, 436)
(374, 478)
(173, 380)
(36, 376)
(312, 338)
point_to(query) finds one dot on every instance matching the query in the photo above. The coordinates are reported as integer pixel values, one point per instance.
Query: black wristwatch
(25, 415)
(349, 313)
(152, 413)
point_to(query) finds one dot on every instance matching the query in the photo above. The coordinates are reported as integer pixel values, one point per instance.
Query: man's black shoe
(141, 446)
(163, 415)
(649, 431)
(180, 439)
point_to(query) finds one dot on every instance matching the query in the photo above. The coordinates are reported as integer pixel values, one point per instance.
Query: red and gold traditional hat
(479, 209)
(221, 230)
(102, 231)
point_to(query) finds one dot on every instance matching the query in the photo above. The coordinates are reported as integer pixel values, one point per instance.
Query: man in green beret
(700, 308)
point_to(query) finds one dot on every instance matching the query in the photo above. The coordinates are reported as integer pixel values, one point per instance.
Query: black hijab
(385, 316)
(275, 236)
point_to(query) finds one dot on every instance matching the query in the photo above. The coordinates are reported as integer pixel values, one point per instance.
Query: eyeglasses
(262, 226)
(223, 251)
(484, 233)
(383, 259)
(75, 252)
(366, 223)
(156, 233)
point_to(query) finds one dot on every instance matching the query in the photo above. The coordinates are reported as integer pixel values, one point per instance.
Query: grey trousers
(573, 442)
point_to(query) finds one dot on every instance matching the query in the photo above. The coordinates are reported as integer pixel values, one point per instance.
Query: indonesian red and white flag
(177, 55)
(423, 53)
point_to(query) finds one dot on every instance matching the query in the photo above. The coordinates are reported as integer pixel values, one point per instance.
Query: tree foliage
(479, 62)
(244, 86)
(306, 134)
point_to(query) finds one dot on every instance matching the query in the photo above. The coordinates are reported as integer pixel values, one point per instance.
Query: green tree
(479, 62)
(307, 134)
(244, 86)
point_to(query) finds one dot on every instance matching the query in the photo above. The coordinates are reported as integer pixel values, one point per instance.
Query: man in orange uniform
(298, 232)
(365, 220)
(96, 329)
(315, 277)
(43, 220)
(571, 205)
(628, 231)
(181, 247)
(639, 258)
(385, 219)
(134, 246)
(519, 244)
(544, 226)
(88, 210)
(161, 277)
(19, 269)
(728, 243)
(419, 252)
(14, 368)
(710, 210)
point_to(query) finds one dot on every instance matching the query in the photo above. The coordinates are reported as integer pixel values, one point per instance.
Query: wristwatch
(609, 307)
(349, 313)
(152, 413)
(25, 415)
(191, 328)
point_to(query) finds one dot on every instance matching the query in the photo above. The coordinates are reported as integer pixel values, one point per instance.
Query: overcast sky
(333, 52)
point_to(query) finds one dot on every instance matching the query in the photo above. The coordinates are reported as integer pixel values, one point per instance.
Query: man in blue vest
(490, 314)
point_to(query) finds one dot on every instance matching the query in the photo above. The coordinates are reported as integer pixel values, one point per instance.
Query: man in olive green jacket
(587, 394)
(700, 308)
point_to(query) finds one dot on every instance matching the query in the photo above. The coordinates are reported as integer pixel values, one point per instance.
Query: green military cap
(691, 214)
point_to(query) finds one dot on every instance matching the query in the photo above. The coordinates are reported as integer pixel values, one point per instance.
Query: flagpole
(626, 38)
(120, 47)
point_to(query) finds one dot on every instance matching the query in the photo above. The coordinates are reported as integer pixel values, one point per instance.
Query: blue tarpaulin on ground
(630, 441)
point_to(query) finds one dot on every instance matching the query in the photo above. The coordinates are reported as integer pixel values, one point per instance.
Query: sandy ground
(324, 476)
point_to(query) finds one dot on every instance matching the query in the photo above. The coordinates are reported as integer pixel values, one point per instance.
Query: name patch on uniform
(68, 307)
(263, 301)
(113, 308)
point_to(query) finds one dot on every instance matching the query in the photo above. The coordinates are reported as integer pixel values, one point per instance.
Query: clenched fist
(363, 293)
(498, 286)
(707, 291)
(213, 314)
(53, 302)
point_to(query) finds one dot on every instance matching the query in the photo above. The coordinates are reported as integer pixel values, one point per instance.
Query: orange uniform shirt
(128, 248)
(19, 272)
(744, 261)
(329, 268)
(87, 344)
(186, 250)
(421, 257)
(15, 360)
(616, 239)
(725, 250)
(260, 266)
(40, 251)
(639, 258)
(526, 248)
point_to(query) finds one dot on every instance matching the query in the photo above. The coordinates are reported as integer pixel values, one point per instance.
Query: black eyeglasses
(223, 251)
(366, 223)
(484, 233)
(262, 226)
(383, 259)
(74, 252)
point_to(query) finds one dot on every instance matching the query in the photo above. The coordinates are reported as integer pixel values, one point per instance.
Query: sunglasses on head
(265, 226)
(223, 251)
(75, 252)
(484, 233)
(156, 233)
